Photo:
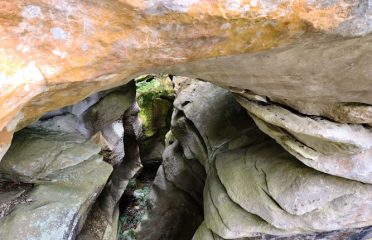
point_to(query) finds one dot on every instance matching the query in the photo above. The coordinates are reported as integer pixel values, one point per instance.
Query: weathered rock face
(254, 188)
(204, 233)
(98, 117)
(314, 57)
(57, 149)
(343, 150)
(54, 49)
(68, 174)
(102, 223)
(182, 174)
(267, 182)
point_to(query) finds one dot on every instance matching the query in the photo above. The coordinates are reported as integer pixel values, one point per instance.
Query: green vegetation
(155, 97)
(133, 215)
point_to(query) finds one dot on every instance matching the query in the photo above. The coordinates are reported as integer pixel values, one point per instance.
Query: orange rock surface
(54, 53)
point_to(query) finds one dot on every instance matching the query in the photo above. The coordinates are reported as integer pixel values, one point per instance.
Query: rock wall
(257, 185)
(235, 166)
(75, 195)
(300, 68)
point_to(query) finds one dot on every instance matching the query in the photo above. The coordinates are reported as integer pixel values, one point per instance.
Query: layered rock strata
(338, 149)
(255, 188)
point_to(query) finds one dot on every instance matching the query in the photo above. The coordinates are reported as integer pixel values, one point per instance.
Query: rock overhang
(56, 53)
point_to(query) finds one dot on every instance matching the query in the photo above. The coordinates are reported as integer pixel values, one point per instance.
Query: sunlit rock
(54, 54)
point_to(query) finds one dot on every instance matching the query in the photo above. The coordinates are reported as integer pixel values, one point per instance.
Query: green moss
(155, 97)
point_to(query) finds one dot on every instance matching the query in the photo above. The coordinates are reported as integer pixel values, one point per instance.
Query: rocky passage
(74, 190)
(233, 166)
(155, 95)
(256, 188)
(268, 134)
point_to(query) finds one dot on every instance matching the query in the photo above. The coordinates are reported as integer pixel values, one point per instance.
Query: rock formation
(68, 175)
(343, 150)
(254, 187)
(102, 222)
(306, 53)
(58, 156)
(286, 155)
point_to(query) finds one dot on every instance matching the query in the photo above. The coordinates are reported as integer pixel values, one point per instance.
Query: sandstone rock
(187, 175)
(68, 175)
(174, 214)
(102, 223)
(203, 233)
(111, 141)
(182, 174)
(312, 56)
(198, 138)
(355, 113)
(36, 153)
(109, 109)
(201, 135)
(338, 149)
(267, 181)
(307, 75)
(97, 117)
(255, 189)
(349, 233)
(50, 51)
(93, 113)
(99, 114)
(228, 219)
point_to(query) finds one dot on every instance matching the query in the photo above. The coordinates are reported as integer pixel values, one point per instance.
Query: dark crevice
(185, 103)
(295, 139)
(293, 110)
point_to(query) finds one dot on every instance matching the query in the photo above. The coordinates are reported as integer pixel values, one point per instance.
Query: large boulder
(265, 180)
(68, 175)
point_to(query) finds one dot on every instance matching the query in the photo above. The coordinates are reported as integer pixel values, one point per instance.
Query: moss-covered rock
(155, 95)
